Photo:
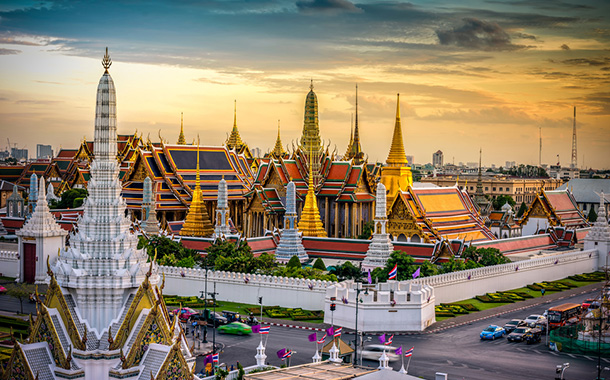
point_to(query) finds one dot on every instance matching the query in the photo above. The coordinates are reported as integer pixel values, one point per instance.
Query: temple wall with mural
(467, 284)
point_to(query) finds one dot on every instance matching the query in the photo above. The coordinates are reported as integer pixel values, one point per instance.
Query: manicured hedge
(589, 277)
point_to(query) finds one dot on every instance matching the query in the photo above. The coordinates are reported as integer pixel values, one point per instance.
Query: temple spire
(311, 143)
(354, 150)
(106, 61)
(310, 223)
(278, 150)
(397, 156)
(234, 141)
(197, 221)
(181, 140)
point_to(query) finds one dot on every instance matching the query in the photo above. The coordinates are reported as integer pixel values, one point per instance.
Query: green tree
(453, 265)
(69, 197)
(428, 269)
(264, 263)
(501, 200)
(294, 262)
(169, 252)
(592, 215)
(522, 210)
(347, 271)
(319, 264)
(406, 266)
(240, 371)
(20, 291)
(367, 230)
(491, 256)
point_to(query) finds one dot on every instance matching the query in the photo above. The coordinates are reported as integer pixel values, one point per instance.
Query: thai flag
(409, 352)
(264, 330)
(393, 273)
(215, 358)
(321, 340)
(389, 340)
(287, 354)
(337, 333)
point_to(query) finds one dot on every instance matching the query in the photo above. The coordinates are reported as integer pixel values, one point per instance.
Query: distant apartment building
(521, 189)
(19, 154)
(410, 160)
(44, 151)
(510, 164)
(437, 159)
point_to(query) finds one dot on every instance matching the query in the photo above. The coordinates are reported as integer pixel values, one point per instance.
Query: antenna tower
(574, 163)
(540, 151)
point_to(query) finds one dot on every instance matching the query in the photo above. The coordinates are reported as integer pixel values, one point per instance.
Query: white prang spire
(380, 246)
(103, 265)
(222, 211)
(291, 243)
(599, 234)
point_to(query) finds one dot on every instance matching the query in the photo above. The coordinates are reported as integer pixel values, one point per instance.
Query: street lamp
(213, 294)
(358, 300)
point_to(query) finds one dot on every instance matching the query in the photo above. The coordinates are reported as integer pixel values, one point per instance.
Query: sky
(471, 74)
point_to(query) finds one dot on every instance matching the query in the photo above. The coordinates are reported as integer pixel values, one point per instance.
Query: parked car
(374, 352)
(219, 320)
(3, 289)
(513, 324)
(535, 319)
(492, 332)
(533, 336)
(586, 303)
(517, 334)
(236, 328)
(232, 316)
(185, 313)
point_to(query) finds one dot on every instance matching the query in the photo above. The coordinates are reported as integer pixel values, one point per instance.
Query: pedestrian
(542, 290)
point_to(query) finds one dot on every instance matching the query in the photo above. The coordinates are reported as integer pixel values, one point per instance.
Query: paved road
(457, 351)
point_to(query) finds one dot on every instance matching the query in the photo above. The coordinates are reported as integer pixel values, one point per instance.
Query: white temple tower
(40, 238)
(222, 211)
(149, 224)
(103, 265)
(380, 246)
(291, 243)
(599, 235)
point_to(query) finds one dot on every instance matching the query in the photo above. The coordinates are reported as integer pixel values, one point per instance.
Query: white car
(374, 351)
(535, 319)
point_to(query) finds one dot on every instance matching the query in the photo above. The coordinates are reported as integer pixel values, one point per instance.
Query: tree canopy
(501, 200)
(169, 252)
(70, 199)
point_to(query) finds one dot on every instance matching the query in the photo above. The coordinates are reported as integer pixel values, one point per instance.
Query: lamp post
(366, 292)
(213, 294)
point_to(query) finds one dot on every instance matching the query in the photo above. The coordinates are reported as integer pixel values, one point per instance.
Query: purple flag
(256, 329)
(398, 351)
(330, 331)
(280, 353)
(208, 359)
(370, 278)
(312, 337)
(382, 338)
(416, 274)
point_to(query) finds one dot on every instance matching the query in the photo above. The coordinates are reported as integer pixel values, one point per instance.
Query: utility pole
(213, 294)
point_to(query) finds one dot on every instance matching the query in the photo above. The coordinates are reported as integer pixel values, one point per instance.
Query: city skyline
(483, 74)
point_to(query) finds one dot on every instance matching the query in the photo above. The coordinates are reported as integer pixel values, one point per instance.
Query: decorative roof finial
(311, 85)
(106, 62)
(234, 113)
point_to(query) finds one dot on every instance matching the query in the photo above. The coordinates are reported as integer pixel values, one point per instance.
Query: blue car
(492, 332)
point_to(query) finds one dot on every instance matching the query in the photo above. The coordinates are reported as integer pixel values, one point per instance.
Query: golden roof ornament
(181, 140)
(106, 62)
(310, 223)
(110, 339)
(197, 222)
(397, 156)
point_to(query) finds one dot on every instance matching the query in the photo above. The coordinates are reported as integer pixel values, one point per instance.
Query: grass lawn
(534, 293)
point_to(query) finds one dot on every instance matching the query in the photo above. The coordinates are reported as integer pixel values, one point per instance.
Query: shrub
(319, 264)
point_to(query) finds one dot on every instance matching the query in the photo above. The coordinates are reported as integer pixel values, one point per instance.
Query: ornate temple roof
(558, 206)
(234, 141)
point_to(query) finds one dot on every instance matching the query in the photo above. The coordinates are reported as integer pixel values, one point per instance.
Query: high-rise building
(19, 154)
(44, 151)
(437, 159)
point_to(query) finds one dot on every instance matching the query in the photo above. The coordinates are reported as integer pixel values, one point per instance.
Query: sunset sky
(471, 73)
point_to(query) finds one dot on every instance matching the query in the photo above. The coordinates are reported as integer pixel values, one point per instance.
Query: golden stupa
(234, 141)
(197, 221)
(278, 150)
(310, 223)
(396, 175)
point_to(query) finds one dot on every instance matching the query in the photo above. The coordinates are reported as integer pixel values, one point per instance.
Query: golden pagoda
(234, 141)
(310, 139)
(181, 140)
(278, 150)
(310, 223)
(396, 175)
(197, 221)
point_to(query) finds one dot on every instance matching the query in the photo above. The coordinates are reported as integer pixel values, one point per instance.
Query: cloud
(4, 51)
(604, 61)
(548, 5)
(564, 47)
(525, 36)
(479, 35)
(326, 6)
(599, 101)
(4, 40)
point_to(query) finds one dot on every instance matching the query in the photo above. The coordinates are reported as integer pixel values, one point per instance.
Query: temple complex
(396, 174)
(104, 315)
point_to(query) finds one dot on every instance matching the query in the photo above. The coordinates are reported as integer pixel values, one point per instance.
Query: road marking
(588, 357)
(536, 351)
(553, 353)
(520, 349)
(572, 356)
(606, 360)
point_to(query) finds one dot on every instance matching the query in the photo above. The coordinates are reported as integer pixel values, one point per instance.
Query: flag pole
(409, 362)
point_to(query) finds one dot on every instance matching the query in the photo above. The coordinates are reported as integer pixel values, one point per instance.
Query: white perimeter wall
(9, 264)
(467, 284)
(282, 291)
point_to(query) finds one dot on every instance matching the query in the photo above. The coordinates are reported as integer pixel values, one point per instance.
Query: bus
(561, 315)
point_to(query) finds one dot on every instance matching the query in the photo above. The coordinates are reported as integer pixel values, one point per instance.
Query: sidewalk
(504, 309)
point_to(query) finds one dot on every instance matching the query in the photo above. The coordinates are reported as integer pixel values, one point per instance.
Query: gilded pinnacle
(106, 62)
(397, 156)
